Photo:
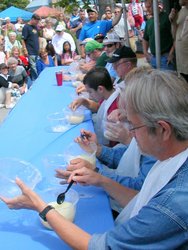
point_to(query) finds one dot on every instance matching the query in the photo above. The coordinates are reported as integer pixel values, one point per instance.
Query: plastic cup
(59, 78)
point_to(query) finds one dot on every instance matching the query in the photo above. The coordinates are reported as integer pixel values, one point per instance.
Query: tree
(17, 3)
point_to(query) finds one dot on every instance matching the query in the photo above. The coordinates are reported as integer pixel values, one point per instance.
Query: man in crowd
(166, 40)
(30, 44)
(95, 26)
(180, 23)
(77, 24)
(59, 38)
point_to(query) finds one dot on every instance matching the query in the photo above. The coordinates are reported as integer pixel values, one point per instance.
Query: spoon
(61, 197)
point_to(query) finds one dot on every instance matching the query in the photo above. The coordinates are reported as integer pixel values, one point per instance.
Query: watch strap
(44, 212)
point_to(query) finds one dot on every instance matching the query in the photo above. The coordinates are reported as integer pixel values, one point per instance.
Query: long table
(25, 135)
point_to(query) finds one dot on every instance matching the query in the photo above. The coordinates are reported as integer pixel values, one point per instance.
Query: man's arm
(145, 45)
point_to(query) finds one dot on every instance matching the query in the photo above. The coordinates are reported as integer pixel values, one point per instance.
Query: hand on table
(28, 199)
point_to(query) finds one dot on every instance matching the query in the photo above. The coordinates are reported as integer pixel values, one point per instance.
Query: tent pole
(157, 34)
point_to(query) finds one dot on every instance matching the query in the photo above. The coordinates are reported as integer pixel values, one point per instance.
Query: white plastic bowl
(10, 168)
(67, 208)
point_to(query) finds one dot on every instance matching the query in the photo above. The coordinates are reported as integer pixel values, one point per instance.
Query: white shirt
(58, 40)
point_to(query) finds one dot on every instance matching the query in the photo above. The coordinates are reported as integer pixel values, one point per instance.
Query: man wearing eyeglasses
(123, 60)
(111, 42)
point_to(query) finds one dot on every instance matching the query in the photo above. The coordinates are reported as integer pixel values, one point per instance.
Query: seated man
(103, 98)
(157, 216)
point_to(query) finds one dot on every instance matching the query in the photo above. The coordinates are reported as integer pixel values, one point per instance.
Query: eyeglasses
(132, 128)
(109, 45)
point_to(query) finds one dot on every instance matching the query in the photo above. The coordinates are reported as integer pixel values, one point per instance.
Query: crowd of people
(140, 119)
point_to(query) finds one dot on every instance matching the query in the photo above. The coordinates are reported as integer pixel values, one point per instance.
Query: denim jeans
(33, 69)
(164, 62)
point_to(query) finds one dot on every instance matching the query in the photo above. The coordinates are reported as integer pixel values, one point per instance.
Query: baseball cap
(92, 10)
(111, 38)
(123, 52)
(99, 36)
(36, 17)
(86, 40)
(92, 45)
(60, 27)
(3, 66)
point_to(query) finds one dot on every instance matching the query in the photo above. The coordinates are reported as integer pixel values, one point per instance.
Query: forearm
(91, 105)
(121, 194)
(67, 231)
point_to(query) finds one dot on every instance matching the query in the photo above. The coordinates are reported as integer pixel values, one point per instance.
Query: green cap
(92, 45)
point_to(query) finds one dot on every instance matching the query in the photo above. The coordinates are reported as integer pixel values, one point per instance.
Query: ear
(165, 129)
(100, 89)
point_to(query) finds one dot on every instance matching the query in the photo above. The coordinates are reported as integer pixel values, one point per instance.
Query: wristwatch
(44, 212)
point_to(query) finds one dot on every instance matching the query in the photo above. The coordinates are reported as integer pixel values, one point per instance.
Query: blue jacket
(111, 158)
(160, 225)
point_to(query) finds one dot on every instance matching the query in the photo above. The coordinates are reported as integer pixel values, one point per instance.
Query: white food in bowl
(75, 119)
(66, 209)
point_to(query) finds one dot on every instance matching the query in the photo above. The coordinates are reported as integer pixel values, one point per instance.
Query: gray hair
(12, 33)
(12, 60)
(159, 95)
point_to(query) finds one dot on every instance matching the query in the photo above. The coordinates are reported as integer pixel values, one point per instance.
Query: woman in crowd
(18, 74)
(16, 52)
(44, 61)
(51, 52)
(11, 42)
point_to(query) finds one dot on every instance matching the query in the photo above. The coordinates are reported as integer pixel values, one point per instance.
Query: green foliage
(68, 5)
(4, 4)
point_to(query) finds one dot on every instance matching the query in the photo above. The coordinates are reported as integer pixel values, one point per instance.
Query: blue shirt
(41, 65)
(162, 224)
(89, 30)
(111, 157)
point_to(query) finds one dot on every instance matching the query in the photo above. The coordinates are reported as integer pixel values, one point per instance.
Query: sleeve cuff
(97, 241)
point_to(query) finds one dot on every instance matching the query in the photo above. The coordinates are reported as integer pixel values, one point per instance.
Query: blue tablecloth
(25, 135)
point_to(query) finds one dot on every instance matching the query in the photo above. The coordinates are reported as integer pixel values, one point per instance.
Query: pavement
(4, 112)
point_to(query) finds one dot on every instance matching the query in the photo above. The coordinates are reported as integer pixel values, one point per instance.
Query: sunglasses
(109, 45)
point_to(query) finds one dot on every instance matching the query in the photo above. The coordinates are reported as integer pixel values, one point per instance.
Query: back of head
(159, 95)
(98, 76)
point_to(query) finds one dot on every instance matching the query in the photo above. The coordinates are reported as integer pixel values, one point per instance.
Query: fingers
(62, 174)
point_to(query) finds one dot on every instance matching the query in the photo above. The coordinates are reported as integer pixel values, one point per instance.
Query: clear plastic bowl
(58, 122)
(74, 116)
(74, 151)
(67, 208)
(10, 168)
(52, 162)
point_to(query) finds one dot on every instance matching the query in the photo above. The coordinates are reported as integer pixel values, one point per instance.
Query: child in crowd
(68, 56)
(5, 87)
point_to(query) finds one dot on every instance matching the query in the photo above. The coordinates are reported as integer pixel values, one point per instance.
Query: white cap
(60, 27)
(7, 18)
(111, 38)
